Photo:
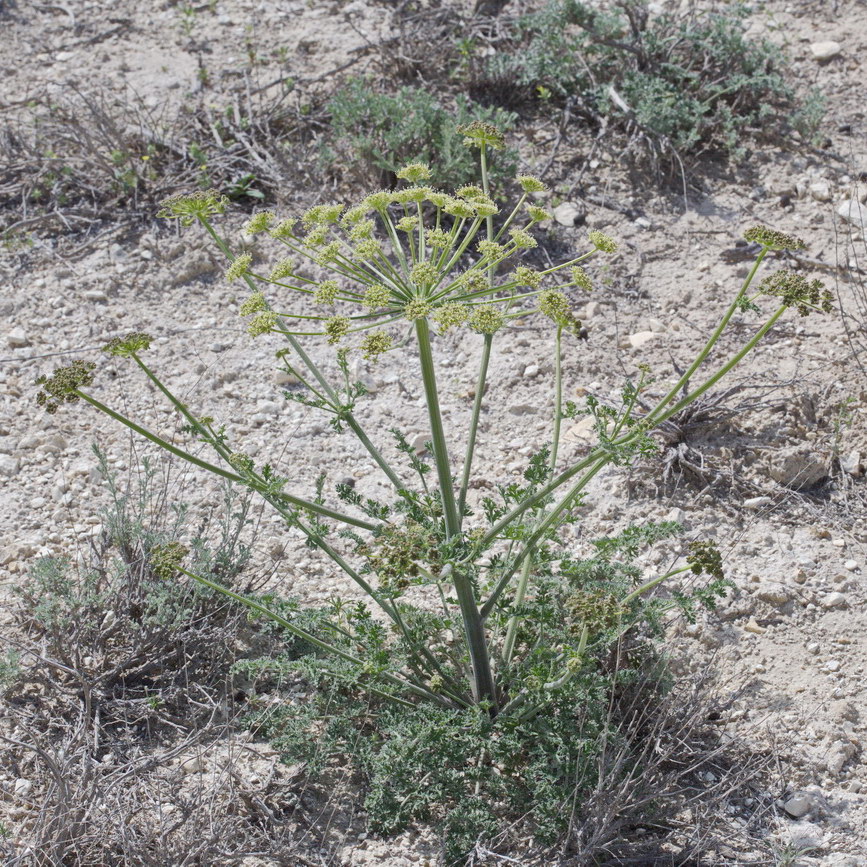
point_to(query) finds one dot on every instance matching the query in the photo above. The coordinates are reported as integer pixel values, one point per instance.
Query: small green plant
(480, 626)
(689, 78)
(386, 131)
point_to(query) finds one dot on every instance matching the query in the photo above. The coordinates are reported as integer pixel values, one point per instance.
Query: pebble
(851, 565)
(820, 191)
(531, 371)
(522, 409)
(799, 468)
(798, 807)
(752, 626)
(851, 463)
(773, 594)
(757, 502)
(569, 214)
(852, 211)
(17, 339)
(641, 338)
(283, 378)
(825, 51)
(193, 765)
(833, 600)
(96, 295)
(9, 465)
(22, 787)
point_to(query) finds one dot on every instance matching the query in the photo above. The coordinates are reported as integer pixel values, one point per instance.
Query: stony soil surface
(779, 485)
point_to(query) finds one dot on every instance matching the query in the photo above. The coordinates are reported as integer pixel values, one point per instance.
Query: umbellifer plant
(505, 622)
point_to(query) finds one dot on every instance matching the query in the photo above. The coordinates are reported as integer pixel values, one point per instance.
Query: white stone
(799, 468)
(96, 295)
(17, 339)
(531, 371)
(568, 214)
(9, 465)
(752, 626)
(852, 211)
(642, 338)
(824, 51)
(193, 765)
(833, 600)
(757, 502)
(820, 191)
(851, 463)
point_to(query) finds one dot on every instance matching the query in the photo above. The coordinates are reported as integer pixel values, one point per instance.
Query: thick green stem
(474, 629)
(474, 423)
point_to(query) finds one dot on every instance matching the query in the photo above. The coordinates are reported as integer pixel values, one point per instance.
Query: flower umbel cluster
(411, 254)
(63, 384)
(797, 291)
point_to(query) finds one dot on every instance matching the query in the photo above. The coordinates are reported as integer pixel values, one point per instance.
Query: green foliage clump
(691, 79)
(383, 132)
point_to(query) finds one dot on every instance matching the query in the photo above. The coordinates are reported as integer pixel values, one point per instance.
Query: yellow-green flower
(284, 268)
(239, 267)
(601, 241)
(486, 319)
(581, 278)
(524, 276)
(256, 303)
(450, 315)
(376, 296)
(375, 344)
(531, 184)
(417, 308)
(414, 172)
(336, 329)
(259, 222)
(262, 323)
(326, 293)
(522, 239)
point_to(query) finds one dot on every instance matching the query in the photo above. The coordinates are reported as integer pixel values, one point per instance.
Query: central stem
(474, 627)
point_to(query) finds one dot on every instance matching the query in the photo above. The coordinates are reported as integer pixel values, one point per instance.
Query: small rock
(419, 443)
(531, 371)
(17, 339)
(591, 309)
(752, 626)
(522, 409)
(833, 600)
(807, 835)
(825, 51)
(832, 665)
(584, 429)
(283, 378)
(798, 807)
(641, 338)
(569, 214)
(22, 787)
(813, 648)
(643, 223)
(9, 465)
(799, 468)
(96, 295)
(757, 502)
(851, 463)
(773, 594)
(193, 766)
(852, 211)
(820, 191)
(851, 565)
